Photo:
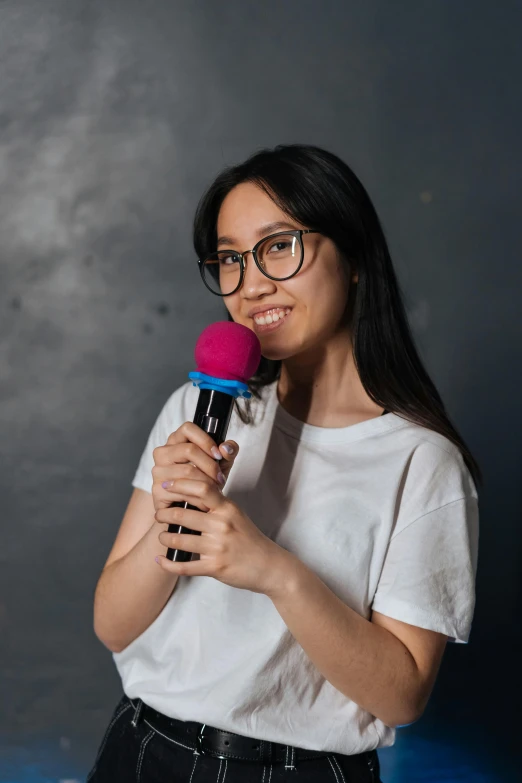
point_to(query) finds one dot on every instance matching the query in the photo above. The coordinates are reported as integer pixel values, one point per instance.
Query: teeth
(271, 316)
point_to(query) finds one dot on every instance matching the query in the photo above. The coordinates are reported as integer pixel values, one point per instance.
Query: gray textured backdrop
(114, 116)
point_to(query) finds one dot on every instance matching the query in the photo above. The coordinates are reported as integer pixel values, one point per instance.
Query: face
(309, 306)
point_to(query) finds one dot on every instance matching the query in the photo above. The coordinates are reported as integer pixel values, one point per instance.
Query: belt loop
(290, 757)
(137, 713)
(265, 752)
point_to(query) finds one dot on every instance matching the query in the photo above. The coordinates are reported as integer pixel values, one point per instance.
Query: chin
(277, 353)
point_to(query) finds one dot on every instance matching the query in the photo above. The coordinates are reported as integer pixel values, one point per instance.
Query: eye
(279, 246)
(228, 260)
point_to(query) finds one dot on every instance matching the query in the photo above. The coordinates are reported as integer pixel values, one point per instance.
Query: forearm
(131, 592)
(364, 661)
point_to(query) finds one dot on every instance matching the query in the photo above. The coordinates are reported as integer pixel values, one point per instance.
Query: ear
(354, 274)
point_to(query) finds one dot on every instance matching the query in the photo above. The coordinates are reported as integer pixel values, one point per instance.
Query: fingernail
(221, 478)
(227, 448)
(167, 484)
(157, 558)
(215, 452)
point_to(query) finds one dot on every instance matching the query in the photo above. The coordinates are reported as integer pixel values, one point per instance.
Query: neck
(322, 386)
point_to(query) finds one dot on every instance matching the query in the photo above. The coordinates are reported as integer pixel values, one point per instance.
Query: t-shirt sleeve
(429, 571)
(171, 416)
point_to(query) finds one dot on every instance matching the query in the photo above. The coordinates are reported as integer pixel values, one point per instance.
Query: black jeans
(139, 754)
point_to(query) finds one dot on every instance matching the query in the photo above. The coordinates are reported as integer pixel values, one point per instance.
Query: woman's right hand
(189, 453)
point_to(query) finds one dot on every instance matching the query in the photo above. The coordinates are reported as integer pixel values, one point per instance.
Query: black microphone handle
(213, 413)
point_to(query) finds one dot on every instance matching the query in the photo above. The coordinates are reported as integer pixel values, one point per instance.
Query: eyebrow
(268, 228)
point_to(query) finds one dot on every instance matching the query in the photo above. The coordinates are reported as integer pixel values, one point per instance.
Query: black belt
(211, 741)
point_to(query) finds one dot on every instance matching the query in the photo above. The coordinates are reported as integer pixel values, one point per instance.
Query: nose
(255, 283)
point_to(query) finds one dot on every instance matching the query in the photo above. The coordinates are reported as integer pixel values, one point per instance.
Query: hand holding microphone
(189, 453)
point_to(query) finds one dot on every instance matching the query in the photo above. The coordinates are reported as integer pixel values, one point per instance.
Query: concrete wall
(114, 116)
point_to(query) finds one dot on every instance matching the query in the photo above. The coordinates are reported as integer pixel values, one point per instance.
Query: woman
(338, 556)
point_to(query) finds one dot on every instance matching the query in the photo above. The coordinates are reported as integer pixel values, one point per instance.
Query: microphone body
(213, 413)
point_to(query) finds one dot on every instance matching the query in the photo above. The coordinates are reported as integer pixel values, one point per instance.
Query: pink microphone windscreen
(228, 350)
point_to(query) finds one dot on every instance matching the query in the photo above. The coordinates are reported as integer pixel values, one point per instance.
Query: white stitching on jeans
(113, 721)
(270, 775)
(167, 738)
(289, 764)
(137, 712)
(219, 770)
(225, 772)
(143, 745)
(336, 761)
(194, 767)
(333, 768)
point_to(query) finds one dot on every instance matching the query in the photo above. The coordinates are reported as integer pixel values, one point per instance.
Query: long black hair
(319, 190)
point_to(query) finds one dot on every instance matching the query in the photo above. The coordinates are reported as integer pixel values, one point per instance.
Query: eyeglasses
(278, 256)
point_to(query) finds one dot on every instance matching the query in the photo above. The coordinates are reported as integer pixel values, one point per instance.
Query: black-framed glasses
(278, 256)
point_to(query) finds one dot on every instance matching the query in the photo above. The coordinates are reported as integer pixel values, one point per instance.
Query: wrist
(285, 575)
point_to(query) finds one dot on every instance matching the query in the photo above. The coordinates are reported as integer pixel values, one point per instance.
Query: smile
(271, 319)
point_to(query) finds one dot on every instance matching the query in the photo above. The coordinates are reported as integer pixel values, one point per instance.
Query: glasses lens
(280, 256)
(222, 272)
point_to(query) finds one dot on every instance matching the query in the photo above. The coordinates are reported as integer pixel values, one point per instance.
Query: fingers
(194, 520)
(164, 477)
(187, 542)
(186, 452)
(189, 443)
(186, 483)
(190, 453)
(188, 568)
(192, 433)
(201, 493)
(229, 450)
(174, 497)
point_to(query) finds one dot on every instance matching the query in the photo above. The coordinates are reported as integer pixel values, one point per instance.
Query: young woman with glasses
(339, 521)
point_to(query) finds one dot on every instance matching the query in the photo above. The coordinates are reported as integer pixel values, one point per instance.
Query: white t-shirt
(385, 512)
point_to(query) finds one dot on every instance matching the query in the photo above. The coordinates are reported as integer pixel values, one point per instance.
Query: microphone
(227, 354)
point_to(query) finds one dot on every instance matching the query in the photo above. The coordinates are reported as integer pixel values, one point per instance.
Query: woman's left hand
(231, 548)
